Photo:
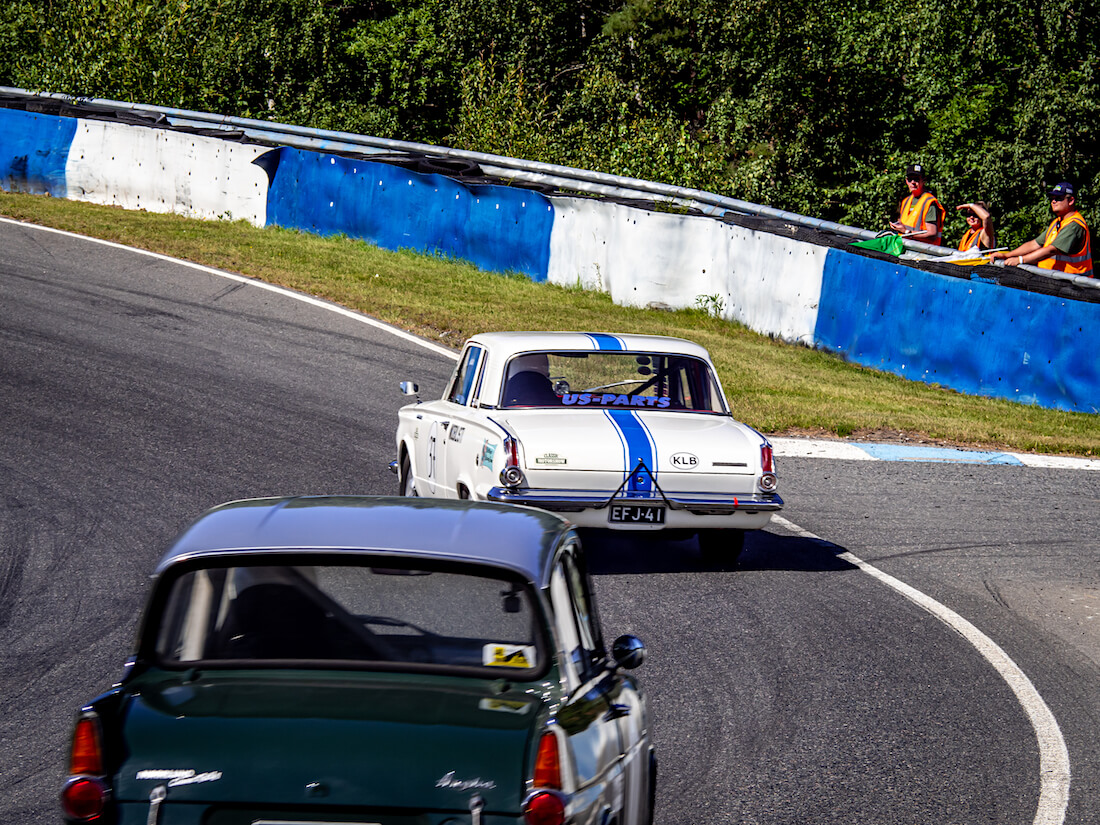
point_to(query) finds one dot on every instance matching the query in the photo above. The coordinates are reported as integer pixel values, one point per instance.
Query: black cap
(1062, 189)
(915, 171)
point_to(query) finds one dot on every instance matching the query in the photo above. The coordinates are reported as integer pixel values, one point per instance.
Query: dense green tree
(814, 108)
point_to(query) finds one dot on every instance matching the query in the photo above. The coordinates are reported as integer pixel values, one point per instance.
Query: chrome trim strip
(574, 501)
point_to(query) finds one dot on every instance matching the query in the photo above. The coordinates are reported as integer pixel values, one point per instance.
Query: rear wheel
(406, 483)
(721, 545)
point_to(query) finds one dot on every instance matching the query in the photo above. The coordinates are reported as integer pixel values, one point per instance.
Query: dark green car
(369, 660)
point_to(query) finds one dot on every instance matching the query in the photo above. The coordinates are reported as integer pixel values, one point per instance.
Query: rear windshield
(638, 380)
(333, 613)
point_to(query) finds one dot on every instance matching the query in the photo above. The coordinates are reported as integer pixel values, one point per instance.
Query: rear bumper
(587, 508)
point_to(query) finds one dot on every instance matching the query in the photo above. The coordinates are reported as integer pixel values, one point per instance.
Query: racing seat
(276, 621)
(529, 389)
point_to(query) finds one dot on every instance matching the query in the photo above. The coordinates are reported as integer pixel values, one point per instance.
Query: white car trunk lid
(610, 439)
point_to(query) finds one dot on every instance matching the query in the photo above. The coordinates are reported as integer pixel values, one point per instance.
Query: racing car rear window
(637, 380)
(397, 616)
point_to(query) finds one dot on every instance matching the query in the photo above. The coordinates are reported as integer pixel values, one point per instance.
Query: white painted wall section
(163, 171)
(771, 284)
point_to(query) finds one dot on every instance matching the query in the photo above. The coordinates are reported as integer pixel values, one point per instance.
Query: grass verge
(776, 387)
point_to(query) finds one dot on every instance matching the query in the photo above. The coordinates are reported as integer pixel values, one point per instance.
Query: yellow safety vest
(914, 215)
(1079, 264)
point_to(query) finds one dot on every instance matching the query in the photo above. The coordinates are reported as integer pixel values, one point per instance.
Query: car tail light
(767, 459)
(544, 808)
(86, 755)
(768, 482)
(511, 475)
(84, 799)
(85, 795)
(548, 763)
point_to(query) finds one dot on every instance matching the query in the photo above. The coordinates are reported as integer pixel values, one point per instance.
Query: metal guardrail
(504, 168)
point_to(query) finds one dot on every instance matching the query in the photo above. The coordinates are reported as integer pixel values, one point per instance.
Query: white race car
(622, 432)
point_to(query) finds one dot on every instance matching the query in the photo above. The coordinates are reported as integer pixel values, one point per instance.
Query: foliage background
(811, 108)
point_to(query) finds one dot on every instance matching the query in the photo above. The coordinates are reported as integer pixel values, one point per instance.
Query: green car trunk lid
(358, 739)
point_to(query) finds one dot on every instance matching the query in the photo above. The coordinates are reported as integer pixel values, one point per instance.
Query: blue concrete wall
(972, 336)
(33, 152)
(498, 228)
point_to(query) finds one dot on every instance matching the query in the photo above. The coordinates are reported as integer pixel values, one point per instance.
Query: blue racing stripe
(638, 446)
(604, 341)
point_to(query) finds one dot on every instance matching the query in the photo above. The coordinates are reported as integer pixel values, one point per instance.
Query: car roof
(534, 341)
(520, 539)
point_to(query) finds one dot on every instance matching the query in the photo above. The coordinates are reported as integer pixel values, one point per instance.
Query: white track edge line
(1054, 767)
(232, 276)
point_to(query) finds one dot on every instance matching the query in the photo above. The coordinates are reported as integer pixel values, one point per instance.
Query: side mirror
(409, 388)
(628, 652)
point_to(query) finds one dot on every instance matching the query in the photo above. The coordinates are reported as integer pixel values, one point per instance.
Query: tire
(406, 484)
(721, 545)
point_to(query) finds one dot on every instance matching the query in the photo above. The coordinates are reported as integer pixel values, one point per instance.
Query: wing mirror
(410, 388)
(628, 652)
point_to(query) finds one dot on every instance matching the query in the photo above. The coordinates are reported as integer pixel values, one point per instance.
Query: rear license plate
(636, 514)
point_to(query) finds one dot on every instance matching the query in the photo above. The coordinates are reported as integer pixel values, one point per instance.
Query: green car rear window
(324, 615)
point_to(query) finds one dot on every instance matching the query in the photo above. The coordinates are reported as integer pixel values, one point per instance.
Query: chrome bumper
(576, 501)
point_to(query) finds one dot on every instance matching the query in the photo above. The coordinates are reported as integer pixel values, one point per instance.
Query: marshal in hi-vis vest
(914, 215)
(1077, 264)
(972, 238)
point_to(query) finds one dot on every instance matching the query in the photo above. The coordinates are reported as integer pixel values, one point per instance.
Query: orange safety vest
(914, 215)
(1079, 264)
(971, 238)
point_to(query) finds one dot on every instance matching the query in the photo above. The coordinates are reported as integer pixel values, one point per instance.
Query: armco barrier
(968, 335)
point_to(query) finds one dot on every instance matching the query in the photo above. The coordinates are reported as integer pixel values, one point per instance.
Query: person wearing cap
(979, 227)
(1065, 246)
(921, 217)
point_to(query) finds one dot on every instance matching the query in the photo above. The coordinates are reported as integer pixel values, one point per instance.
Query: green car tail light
(545, 805)
(548, 763)
(85, 795)
(544, 808)
(86, 755)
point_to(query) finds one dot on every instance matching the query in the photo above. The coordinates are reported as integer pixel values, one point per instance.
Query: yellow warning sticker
(500, 655)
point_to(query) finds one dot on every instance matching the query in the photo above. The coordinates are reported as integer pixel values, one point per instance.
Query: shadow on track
(623, 554)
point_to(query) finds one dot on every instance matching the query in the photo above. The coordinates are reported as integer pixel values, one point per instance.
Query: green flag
(890, 244)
